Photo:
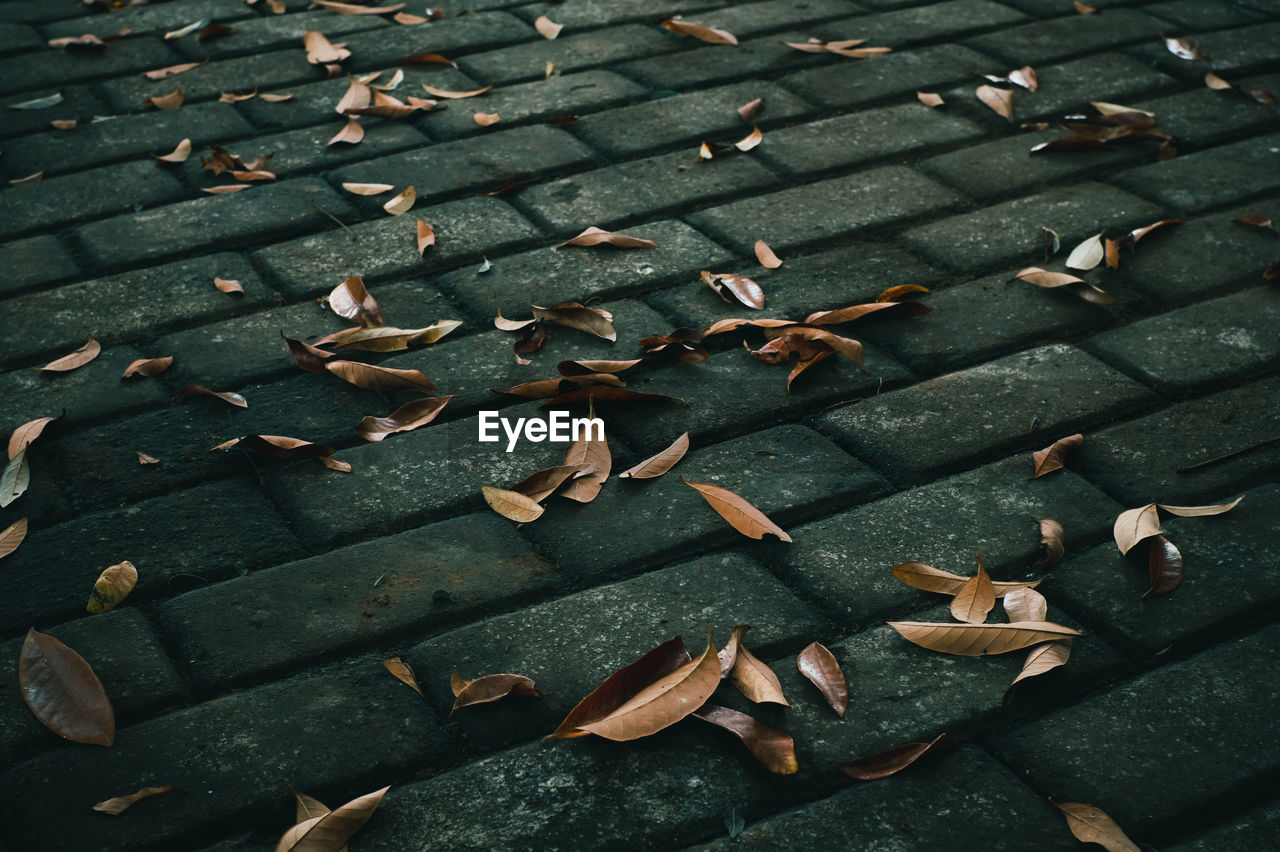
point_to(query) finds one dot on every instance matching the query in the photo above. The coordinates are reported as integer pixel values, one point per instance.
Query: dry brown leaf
(1051, 536)
(63, 123)
(1138, 233)
(975, 599)
(161, 73)
(1112, 252)
(594, 236)
(1256, 221)
(740, 514)
(226, 396)
(751, 140)
(452, 95)
(63, 692)
(148, 367)
(356, 9)
(275, 97)
(223, 190)
(332, 830)
(1041, 660)
(585, 367)
(402, 202)
(12, 536)
(620, 686)
(388, 338)
(1044, 278)
(233, 98)
(1025, 77)
(542, 484)
(177, 155)
(306, 356)
(426, 237)
(751, 110)
(1262, 96)
(1026, 604)
(120, 804)
(765, 255)
(973, 640)
(22, 437)
(735, 289)
(1083, 9)
(512, 504)
(1000, 101)
(1183, 48)
(1052, 457)
(1213, 81)
(775, 749)
(1087, 255)
(1164, 566)
(88, 42)
(367, 188)
(754, 679)
(1135, 525)
(351, 133)
(489, 688)
(143, 458)
(358, 95)
(890, 762)
(400, 671)
(711, 35)
(320, 51)
(228, 285)
(822, 669)
(79, 358)
(595, 321)
(1090, 825)
(406, 418)
(485, 119)
(1201, 511)
(380, 379)
(280, 447)
(351, 301)
(930, 99)
(918, 575)
(593, 454)
(704, 153)
(34, 177)
(546, 27)
(658, 464)
(173, 100)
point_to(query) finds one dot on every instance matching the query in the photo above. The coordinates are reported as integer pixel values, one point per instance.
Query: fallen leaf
(1112, 252)
(351, 301)
(1025, 77)
(223, 190)
(512, 504)
(751, 110)
(228, 285)
(735, 289)
(356, 96)
(143, 458)
(1083, 9)
(918, 575)
(704, 153)
(63, 692)
(774, 749)
(542, 484)
(380, 379)
(22, 437)
(1255, 221)
(39, 103)
(447, 93)
(740, 514)
(389, 338)
(409, 20)
(1025, 604)
(233, 98)
(1134, 525)
(1164, 565)
(213, 31)
(351, 133)
(275, 97)
(88, 41)
(1213, 81)
(1051, 534)
(406, 418)
(320, 51)
(1118, 109)
(63, 123)
(975, 599)
(657, 665)
(1042, 659)
(161, 73)
(1087, 255)
(765, 255)
(12, 536)
(79, 358)
(1183, 48)
(178, 154)
(15, 479)
(402, 202)
(355, 9)
(489, 688)
(148, 367)
(187, 30)
(1044, 278)
(658, 464)
(973, 640)
(120, 804)
(930, 99)
(1139, 233)
(1262, 96)
(400, 671)
(332, 830)
(173, 100)
(890, 762)
(547, 27)
(1090, 825)
(591, 453)
(819, 665)
(581, 368)
(999, 100)
(485, 119)
(896, 292)
(754, 679)
(1053, 457)
(594, 236)
(368, 188)
(1201, 511)
(34, 177)
(112, 587)
(711, 35)
(751, 140)
(419, 58)
(882, 303)
(306, 356)
(227, 396)
(595, 321)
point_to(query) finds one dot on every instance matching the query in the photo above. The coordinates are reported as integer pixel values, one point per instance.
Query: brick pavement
(249, 656)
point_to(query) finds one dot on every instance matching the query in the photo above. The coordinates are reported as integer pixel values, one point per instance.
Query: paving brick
(121, 307)
(599, 13)
(1230, 338)
(562, 96)
(78, 102)
(1196, 16)
(826, 279)
(59, 564)
(1228, 583)
(845, 560)
(36, 11)
(1169, 773)
(34, 262)
(460, 34)
(1045, 41)
(241, 753)
(869, 80)
(569, 646)
(1259, 829)
(712, 64)
(1229, 51)
(807, 475)
(945, 20)
(1137, 462)
(810, 149)
(1052, 9)
(1210, 178)
(752, 19)
(152, 20)
(16, 38)
(297, 152)
(259, 34)
(239, 219)
(66, 199)
(101, 142)
(1010, 233)
(91, 392)
(848, 204)
(616, 196)
(522, 62)
(579, 273)
(1067, 87)
(1201, 118)
(985, 410)
(980, 320)
(269, 72)
(431, 577)
(57, 67)
(685, 120)
(387, 247)
(126, 657)
(447, 170)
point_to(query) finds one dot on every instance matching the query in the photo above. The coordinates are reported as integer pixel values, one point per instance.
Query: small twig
(1230, 455)
(336, 219)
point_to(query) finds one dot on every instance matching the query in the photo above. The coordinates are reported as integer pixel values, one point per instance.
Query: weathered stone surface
(570, 52)
(57, 66)
(1066, 36)
(597, 13)
(34, 262)
(63, 200)
(1197, 16)
(962, 417)
(308, 149)
(270, 72)
(1209, 178)
(454, 35)
(151, 19)
(1202, 118)
(88, 393)
(1258, 829)
(283, 32)
(866, 80)
(932, 22)
(78, 102)
(710, 64)
(16, 38)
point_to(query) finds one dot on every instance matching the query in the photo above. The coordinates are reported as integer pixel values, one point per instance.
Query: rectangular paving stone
(1010, 233)
(35, 262)
(307, 149)
(176, 541)
(1222, 340)
(125, 655)
(1209, 178)
(78, 102)
(152, 19)
(615, 196)
(270, 72)
(807, 476)
(1067, 87)
(58, 67)
(844, 206)
(865, 81)
(122, 307)
(239, 754)
(88, 393)
(387, 247)
(1199, 122)
(454, 35)
(16, 38)
(65, 199)
(962, 417)
(1138, 462)
(1258, 829)
(1170, 771)
(685, 120)
(569, 646)
(903, 26)
(1197, 16)
(430, 577)
(570, 52)
(710, 64)
(599, 13)
(845, 560)
(1045, 41)
(1228, 584)
(279, 32)
(238, 219)
(1239, 50)
(749, 19)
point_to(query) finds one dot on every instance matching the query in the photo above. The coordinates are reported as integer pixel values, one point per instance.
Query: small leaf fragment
(367, 188)
(735, 288)
(751, 140)
(319, 49)
(1053, 457)
(449, 94)
(486, 119)
(1051, 536)
(658, 464)
(1025, 604)
(1025, 77)
(1213, 81)
(15, 479)
(178, 154)
(143, 458)
(120, 804)
(1000, 101)
(63, 692)
(547, 28)
(930, 99)
(1164, 566)
(890, 762)
(741, 515)
(822, 669)
(1082, 8)
(751, 110)
(711, 35)
(86, 353)
(1183, 48)
(594, 236)
(1090, 825)
(228, 285)
(173, 100)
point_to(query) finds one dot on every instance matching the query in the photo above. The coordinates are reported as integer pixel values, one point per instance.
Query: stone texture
(867, 80)
(570, 52)
(1211, 178)
(149, 19)
(34, 262)
(1256, 830)
(58, 66)
(89, 393)
(1067, 36)
(270, 72)
(63, 200)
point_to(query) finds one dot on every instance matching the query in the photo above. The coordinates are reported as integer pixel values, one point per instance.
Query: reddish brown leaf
(740, 514)
(735, 289)
(351, 301)
(711, 35)
(512, 504)
(22, 437)
(79, 358)
(655, 666)
(387, 338)
(586, 451)
(930, 99)
(595, 321)
(658, 464)
(380, 379)
(822, 669)
(320, 51)
(972, 640)
(890, 762)
(594, 236)
(351, 133)
(918, 575)
(173, 100)
(426, 237)
(999, 100)
(63, 123)
(1090, 825)
(400, 671)
(1051, 534)
(581, 368)
(1256, 221)
(12, 536)
(489, 688)
(228, 285)
(306, 356)
(1053, 457)
(120, 804)
(148, 367)
(279, 447)
(407, 417)
(227, 396)
(975, 599)
(63, 692)
(1164, 565)
(542, 484)
(1112, 254)
(421, 58)
(331, 831)
(452, 95)
(893, 294)
(775, 749)
(1262, 96)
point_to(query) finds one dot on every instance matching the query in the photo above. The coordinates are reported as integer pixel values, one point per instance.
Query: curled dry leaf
(453, 95)
(542, 484)
(751, 140)
(1256, 221)
(489, 688)
(622, 685)
(1000, 101)
(223, 190)
(148, 367)
(285, 448)
(1201, 511)
(1164, 566)
(1041, 660)
(973, 640)
(1213, 81)
(63, 692)
(351, 301)
(1051, 535)
(1026, 604)
(1087, 255)
(306, 356)
(1052, 457)
(594, 236)
(426, 237)
(233, 98)
(331, 830)
(704, 153)
(1135, 525)
(595, 321)
(226, 396)
(228, 285)
(546, 27)
(12, 536)
(356, 9)
(400, 671)
(39, 103)
(406, 418)
(512, 504)
(173, 100)
(177, 155)
(1044, 278)
(1090, 825)
(402, 202)
(388, 338)
(728, 655)
(765, 255)
(918, 575)
(890, 762)
(930, 99)
(34, 177)
(22, 437)
(775, 749)
(896, 292)
(975, 599)
(63, 123)
(1112, 252)
(485, 119)
(711, 35)
(735, 289)
(351, 133)
(120, 804)
(143, 458)
(358, 95)
(822, 669)
(751, 110)
(1025, 77)
(1183, 48)
(320, 51)
(740, 514)
(658, 464)
(276, 97)
(367, 188)
(1138, 233)
(593, 454)
(15, 479)
(754, 679)
(86, 353)
(380, 379)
